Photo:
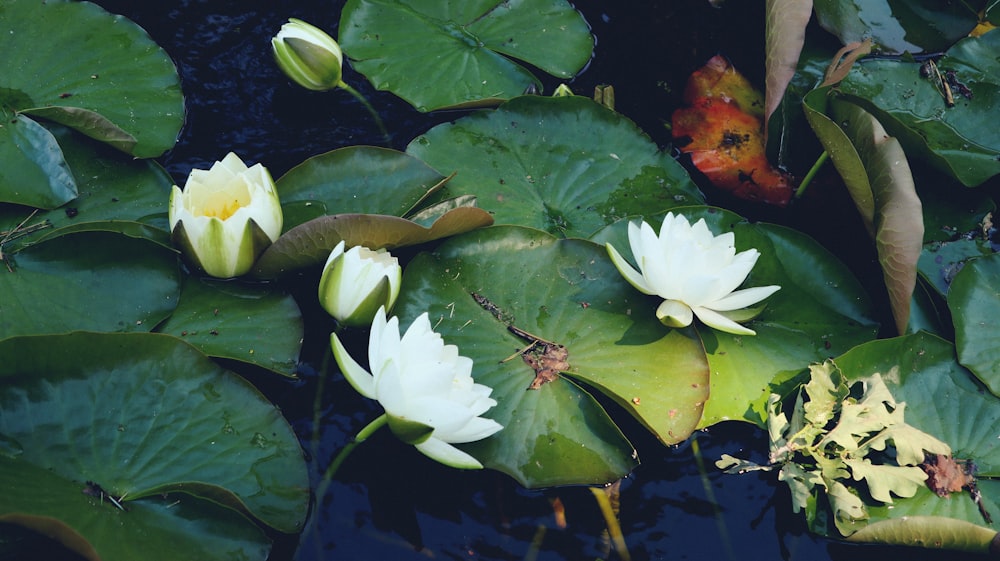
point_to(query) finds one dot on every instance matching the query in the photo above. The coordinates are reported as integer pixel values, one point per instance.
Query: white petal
(358, 377)
(447, 454)
(631, 275)
(674, 313)
(742, 298)
(718, 321)
(476, 429)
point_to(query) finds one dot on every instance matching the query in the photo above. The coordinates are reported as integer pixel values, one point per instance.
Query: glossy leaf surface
(94, 281)
(974, 301)
(960, 140)
(437, 54)
(256, 324)
(566, 292)
(565, 165)
(819, 311)
(100, 74)
(182, 445)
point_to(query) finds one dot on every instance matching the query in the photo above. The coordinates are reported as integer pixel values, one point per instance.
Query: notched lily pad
(961, 140)
(441, 54)
(132, 442)
(255, 324)
(355, 179)
(310, 243)
(118, 86)
(533, 310)
(566, 165)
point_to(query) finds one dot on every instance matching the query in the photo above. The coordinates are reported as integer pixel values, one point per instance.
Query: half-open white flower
(425, 387)
(694, 271)
(356, 282)
(226, 216)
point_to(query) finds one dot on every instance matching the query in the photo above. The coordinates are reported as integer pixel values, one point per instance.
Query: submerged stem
(378, 120)
(331, 471)
(611, 519)
(812, 173)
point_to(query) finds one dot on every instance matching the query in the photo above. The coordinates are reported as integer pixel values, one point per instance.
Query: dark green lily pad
(565, 292)
(32, 157)
(820, 311)
(974, 300)
(963, 140)
(355, 179)
(942, 399)
(957, 227)
(101, 74)
(310, 244)
(256, 324)
(566, 165)
(442, 53)
(914, 26)
(186, 448)
(94, 281)
(117, 193)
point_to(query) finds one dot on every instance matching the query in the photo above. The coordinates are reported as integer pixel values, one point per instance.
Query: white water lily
(226, 216)
(308, 55)
(425, 387)
(356, 282)
(694, 271)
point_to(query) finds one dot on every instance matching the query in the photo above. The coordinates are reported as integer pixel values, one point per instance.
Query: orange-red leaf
(722, 131)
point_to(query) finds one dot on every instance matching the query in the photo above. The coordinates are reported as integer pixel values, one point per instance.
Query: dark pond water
(389, 502)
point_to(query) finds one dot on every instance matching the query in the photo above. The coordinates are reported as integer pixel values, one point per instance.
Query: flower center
(225, 202)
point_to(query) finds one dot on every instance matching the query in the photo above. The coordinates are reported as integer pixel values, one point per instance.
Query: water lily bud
(225, 217)
(307, 55)
(356, 282)
(425, 387)
(695, 272)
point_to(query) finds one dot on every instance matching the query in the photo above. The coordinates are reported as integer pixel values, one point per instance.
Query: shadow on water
(388, 501)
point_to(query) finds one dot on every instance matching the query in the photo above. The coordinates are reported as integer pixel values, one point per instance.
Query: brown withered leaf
(547, 360)
(946, 475)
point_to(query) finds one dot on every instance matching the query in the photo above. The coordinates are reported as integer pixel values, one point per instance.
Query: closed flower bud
(356, 282)
(225, 217)
(307, 55)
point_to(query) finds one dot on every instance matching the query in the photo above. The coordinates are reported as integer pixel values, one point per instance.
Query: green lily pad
(446, 53)
(963, 140)
(566, 165)
(310, 244)
(101, 74)
(32, 157)
(483, 286)
(355, 179)
(820, 311)
(187, 449)
(255, 324)
(942, 399)
(974, 300)
(94, 281)
(117, 193)
(897, 27)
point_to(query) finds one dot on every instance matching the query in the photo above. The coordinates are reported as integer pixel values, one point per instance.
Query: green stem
(378, 120)
(318, 399)
(611, 519)
(706, 484)
(812, 173)
(362, 436)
